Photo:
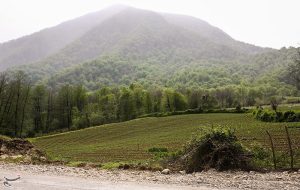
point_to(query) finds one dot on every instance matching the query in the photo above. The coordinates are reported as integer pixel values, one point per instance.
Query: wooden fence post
(290, 147)
(273, 150)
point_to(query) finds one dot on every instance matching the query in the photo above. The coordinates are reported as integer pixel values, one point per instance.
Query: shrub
(96, 119)
(218, 149)
(288, 115)
(261, 157)
(80, 123)
(154, 149)
(269, 116)
(279, 117)
(297, 117)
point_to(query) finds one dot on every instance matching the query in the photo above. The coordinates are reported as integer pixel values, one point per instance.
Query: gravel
(211, 178)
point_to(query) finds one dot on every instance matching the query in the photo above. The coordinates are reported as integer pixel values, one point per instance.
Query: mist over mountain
(120, 45)
(39, 45)
(124, 31)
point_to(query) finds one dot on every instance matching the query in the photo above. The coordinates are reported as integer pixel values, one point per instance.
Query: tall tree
(49, 110)
(127, 105)
(64, 106)
(27, 91)
(293, 74)
(38, 106)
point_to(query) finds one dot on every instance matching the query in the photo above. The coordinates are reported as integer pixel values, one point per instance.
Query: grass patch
(111, 165)
(2, 137)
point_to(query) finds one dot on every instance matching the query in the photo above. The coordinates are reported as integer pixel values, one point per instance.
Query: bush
(288, 115)
(269, 116)
(279, 117)
(154, 149)
(96, 119)
(80, 122)
(297, 117)
(218, 149)
(194, 111)
(261, 157)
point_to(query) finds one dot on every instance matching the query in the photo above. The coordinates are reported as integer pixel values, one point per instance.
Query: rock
(27, 159)
(3, 148)
(43, 159)
(285, 172)
(16, 156)
(165, 171)
(182, 172)
(252, 172)
(4, 156)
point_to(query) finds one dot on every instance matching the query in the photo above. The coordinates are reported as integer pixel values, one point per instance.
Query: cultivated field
(130, 141)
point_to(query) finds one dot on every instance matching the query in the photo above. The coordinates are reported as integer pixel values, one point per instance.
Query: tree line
(27, 110)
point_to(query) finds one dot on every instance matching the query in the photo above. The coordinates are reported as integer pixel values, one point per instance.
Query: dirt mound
(20, 150)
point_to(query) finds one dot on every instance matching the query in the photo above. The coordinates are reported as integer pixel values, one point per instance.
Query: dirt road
(31, 181)
(46, 177)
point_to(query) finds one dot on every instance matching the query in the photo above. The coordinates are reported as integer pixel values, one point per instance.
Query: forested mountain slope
(265, 69)
(133, 34)
(140, 34)
(122, 45)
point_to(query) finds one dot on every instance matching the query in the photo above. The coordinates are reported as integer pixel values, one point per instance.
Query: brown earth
(20, 150)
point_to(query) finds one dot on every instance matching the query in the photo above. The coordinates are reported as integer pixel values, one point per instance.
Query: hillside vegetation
(135, 35)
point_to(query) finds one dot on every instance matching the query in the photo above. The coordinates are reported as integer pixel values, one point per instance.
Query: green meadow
(129, 141)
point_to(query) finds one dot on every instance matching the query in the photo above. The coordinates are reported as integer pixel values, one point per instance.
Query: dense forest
(27, 110)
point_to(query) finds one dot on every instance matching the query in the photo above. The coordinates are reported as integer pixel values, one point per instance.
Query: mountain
(37, 46)
(139, 34)
(121, 45)
(122, 31)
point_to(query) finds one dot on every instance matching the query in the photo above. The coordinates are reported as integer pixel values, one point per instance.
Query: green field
(129, 141)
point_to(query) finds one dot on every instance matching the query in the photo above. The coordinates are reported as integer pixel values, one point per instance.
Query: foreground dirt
(60, 177)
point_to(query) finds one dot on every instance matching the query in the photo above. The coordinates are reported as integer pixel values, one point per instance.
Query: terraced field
(129, 141)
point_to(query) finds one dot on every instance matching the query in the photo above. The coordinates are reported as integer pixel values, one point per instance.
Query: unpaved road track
(47, 177)
(29, 181)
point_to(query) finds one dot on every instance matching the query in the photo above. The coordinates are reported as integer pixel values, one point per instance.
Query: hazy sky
(268, 23)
